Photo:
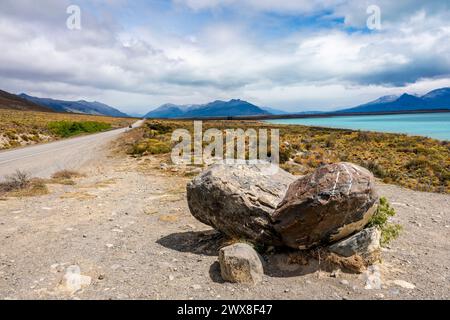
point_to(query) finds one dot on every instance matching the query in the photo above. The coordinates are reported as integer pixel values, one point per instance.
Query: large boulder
(330, 204)
(239, 200)
(240, 263)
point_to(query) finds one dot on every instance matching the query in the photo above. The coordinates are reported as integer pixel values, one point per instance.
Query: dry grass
(168, 218)
(20, 184)
(18, 128)
(65, 177)
(78, 196)
(416, 163)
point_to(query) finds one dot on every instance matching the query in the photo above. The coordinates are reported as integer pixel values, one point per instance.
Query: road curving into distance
(43, 160)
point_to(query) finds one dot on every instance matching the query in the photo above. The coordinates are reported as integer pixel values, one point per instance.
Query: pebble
(109, 245)
(404, 284)
(344, 282)
(372, 278)
(336, 273)
(196, 287)
(73, 280)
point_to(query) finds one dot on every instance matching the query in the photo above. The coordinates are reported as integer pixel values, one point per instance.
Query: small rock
(404, 284)
(373, 278)
(336, 273)
(344, 282)
(362, 243)
(109, 245)
(394, 292)
(240, 263)
(196, 287)
(73, 280)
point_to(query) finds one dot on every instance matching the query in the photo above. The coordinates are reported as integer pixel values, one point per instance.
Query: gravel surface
(125, 232)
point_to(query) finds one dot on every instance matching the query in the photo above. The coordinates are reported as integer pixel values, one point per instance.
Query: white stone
(73, 280)
(403, 284)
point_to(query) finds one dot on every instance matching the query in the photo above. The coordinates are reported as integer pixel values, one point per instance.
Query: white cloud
(137, 67)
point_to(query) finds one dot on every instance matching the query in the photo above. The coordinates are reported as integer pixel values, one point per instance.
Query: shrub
(380, 220)
(66, 129)
(151, 146)
(159, 127)
(375, 168)
(19, 180)
(66, 174)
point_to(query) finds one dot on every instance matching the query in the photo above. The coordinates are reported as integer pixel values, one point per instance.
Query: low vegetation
(417, 163)
(65, 177)
(65, 129)
(18, 128)
(20, 184)
(389, 231)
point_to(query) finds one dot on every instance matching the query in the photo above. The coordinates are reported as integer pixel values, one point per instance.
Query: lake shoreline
(430, 125)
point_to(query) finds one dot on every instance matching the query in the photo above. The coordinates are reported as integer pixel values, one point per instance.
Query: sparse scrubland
(22, 184)
(19, 128)
(417, 163)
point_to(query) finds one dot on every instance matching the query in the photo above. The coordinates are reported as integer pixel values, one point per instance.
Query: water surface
(433, 125)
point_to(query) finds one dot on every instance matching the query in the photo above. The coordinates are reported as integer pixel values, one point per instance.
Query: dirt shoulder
(127, 226)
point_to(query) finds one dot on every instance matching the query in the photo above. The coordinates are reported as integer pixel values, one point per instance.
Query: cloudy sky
(289, 54)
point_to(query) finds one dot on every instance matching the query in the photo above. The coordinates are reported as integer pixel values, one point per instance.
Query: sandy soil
(127, 227)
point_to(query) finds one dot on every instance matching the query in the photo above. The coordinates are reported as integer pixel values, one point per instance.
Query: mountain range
(218, 108)
(436, 99)
(81, 106)
(14, 102)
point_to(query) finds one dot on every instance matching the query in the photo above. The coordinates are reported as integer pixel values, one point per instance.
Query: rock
(239, 200)
(372, 278)
(73, 280)
(404, 284)
(240, 263)
(363, 243)
(344, 282)
(326, 206)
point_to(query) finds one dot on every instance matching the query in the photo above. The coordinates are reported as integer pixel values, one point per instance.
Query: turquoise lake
(433, 125)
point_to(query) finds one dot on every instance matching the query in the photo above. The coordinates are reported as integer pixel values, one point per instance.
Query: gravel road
(44, 159)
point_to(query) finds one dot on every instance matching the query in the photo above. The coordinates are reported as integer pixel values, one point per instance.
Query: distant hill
(436, 99)
(274, 111)
(81, 106)
(14, 102)
(232, 108)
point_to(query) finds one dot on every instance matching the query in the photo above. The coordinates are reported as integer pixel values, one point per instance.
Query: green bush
(380, 220)
(66, 129)
(159, 127)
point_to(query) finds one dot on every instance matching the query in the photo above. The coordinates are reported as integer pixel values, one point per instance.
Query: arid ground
(127, 226)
